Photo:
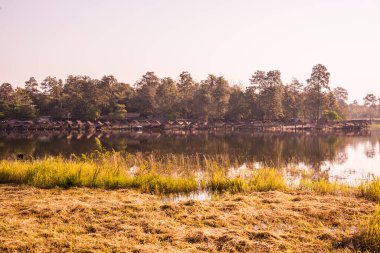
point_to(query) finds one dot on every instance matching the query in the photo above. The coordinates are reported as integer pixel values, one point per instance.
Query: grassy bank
(111, 170)
(103, 171)
(169, 174)
(98, 220)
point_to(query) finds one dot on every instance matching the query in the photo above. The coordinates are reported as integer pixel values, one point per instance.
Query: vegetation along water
(92, 165)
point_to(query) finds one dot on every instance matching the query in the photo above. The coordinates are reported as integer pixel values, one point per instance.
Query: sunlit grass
(163, 174)
(105, 172)
(325, 187)
(368, 237)
(220, 183)
(267, 179)
(371, 190)
(372, 229)
(112, 170)
(176, 174)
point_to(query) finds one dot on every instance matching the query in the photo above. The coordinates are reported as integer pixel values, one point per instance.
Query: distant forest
(265, 98)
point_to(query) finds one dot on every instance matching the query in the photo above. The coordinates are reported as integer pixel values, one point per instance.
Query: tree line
(266, 97)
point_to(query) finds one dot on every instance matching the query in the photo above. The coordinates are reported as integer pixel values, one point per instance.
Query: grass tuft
(268, 179)
(325, 187)
(371, 190)
(220, 183)
(371, 232)
(368, 237)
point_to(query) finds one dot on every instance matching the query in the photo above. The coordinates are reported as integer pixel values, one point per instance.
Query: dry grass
(316, 216)
(98, 220)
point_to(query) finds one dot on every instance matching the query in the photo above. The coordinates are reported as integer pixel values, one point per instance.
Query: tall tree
(318, 81)
(53, 93)
(272, 96)
(269, 88)
(293, 99)
(146, 93)
(23, 107)
(123, 93)
(370, 101)
(167, 99)
(258, 85)
(341, 96)
(81, 97)
(31, 86)
(237, 104)
(202, 102)
(186, 89)
(106, 96)
(6, 99)
(221, 95)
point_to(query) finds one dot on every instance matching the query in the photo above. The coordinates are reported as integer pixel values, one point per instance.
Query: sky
(232, 38)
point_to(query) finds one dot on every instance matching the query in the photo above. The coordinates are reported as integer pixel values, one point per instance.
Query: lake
(347, 157)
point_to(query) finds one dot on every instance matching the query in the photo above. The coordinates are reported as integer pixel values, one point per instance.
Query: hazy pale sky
(231, 38)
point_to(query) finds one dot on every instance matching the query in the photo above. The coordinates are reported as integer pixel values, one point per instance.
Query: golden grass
(368, 237)
(98, 220)
(110, 174)
(219, 183)
(111, 170)
(325, 187)
(168, 174)
(258, 212)
(371, 231)
(267, 179)
(255, 212)
(371, 190)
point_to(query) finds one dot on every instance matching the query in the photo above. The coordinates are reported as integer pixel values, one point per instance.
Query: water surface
(348, 157)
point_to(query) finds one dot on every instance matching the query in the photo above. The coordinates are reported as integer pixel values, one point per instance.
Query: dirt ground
(96, 220)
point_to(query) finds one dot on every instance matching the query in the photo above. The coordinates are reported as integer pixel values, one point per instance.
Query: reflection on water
(361, 161)
(348, 157)
(198, 195)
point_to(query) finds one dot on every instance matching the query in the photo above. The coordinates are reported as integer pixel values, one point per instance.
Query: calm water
(345, 157)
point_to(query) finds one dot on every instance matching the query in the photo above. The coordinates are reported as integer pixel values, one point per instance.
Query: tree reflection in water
(268, 149)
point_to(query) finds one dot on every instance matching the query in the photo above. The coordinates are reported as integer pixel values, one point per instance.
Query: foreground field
(98, 220)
